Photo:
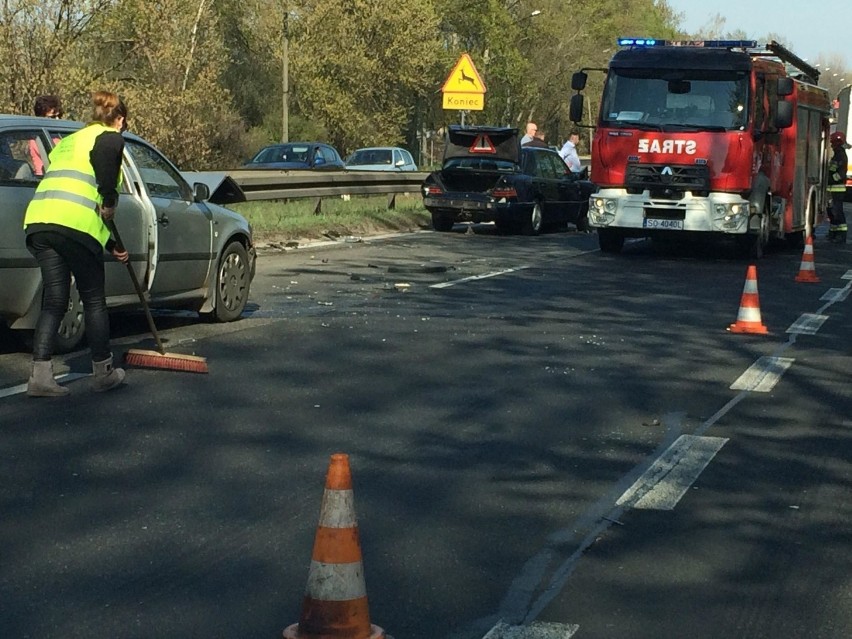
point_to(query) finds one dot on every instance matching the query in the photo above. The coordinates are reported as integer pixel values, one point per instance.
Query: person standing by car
(537, 140)
(45, 106)
(66, 232)
(837, 187)
(568, 152)
(530, 133)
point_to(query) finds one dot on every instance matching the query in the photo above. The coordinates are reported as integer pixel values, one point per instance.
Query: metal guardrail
(241, 185)
(278, 185)
(249, 185)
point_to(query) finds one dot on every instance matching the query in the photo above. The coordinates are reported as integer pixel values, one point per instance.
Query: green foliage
(360, 64)
(204, 78)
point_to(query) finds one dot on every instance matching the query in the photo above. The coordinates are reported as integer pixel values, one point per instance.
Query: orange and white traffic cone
(335, 602)
(748, 318)
(807, 271)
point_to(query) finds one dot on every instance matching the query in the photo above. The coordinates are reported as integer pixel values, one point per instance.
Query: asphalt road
(540, 436)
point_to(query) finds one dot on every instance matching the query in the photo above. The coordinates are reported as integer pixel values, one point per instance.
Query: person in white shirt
(530, 134)
(569, 153)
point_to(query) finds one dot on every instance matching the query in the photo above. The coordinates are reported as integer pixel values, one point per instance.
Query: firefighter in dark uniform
(837, 187)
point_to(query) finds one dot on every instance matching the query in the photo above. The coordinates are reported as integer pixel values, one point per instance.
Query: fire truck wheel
(610, 241)
(746, 245)
(796, 241)
(752, 245)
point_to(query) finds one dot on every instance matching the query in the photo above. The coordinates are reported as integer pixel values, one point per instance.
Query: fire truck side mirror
(578, 81)
(575, 108)
(785, 86)
(784, 115)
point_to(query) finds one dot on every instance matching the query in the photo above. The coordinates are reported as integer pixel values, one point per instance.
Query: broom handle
(120, 245)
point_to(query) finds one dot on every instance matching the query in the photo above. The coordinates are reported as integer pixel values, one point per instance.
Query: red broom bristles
(167, 361)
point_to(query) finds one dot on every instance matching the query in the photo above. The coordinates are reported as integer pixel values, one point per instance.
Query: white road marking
(670, 476)
(535, 630)
(847, 275)
(763, 375)
(478, 277)
(807, 324)
(835, 295)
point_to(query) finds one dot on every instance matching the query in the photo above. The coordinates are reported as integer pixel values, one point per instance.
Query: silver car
(186, 252)
(381, 158)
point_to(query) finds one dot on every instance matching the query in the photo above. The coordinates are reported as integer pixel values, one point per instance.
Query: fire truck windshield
(665, 101)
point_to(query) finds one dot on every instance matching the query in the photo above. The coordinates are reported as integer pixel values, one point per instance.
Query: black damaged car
(487, 176)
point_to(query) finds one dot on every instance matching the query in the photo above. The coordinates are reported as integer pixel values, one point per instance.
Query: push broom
(159, 358)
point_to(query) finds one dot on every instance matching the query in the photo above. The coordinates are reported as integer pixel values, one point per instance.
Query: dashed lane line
(763, 375)
(663, 485)
(479, 277)
(22, 388)
(671, 475)
(807, 324)
(535, 630)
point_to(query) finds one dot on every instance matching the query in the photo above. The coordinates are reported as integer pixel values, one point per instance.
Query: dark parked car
(314, 156)
(487, 175)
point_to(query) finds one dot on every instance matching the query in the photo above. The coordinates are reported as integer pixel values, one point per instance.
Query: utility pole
(285, 78)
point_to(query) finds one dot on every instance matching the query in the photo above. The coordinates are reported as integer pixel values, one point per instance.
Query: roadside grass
(293, 220)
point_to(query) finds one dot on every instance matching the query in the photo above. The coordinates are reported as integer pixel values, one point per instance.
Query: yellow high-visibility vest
(68, 193)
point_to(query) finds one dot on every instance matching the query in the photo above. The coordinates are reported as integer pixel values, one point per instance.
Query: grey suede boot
(42, 383)
(104, 376)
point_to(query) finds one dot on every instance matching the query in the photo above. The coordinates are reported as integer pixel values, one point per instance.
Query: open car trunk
(475, 158)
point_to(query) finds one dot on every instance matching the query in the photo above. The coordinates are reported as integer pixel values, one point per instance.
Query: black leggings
(58, 257)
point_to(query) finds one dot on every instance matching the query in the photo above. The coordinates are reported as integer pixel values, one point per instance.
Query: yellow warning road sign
(464, 78)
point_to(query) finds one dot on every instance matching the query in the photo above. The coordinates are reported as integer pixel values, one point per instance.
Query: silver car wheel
(533, 224)
(232, 283)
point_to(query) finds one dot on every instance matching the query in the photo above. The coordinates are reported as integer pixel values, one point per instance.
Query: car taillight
(504, 191)
(432, 190)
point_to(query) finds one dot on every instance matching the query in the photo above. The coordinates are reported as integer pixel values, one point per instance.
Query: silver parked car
(381, 158)
(186, 252)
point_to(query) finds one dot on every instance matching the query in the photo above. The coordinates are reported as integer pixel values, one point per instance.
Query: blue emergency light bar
(639, 42)
(653, 42)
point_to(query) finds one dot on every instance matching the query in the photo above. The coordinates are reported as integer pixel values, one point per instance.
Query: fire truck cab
(709, 138)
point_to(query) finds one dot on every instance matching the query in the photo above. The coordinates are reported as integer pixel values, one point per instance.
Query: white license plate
(667, 225)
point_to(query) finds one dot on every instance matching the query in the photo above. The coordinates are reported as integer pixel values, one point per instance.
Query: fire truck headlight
(730, 217)
(602, 211)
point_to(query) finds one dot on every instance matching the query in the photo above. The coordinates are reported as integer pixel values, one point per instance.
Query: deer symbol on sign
(466, 78)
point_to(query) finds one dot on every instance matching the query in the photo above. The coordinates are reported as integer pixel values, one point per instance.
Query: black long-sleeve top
(106, 161)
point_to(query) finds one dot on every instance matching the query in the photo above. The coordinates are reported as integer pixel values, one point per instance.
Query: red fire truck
(708, 138)
(843, 122)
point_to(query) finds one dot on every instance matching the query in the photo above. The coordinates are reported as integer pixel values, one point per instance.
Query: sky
(805, 25)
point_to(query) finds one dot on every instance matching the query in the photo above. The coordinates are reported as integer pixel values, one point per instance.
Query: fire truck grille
(670, 178)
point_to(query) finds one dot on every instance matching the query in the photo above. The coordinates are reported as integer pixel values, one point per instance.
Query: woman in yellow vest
(66, 233)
